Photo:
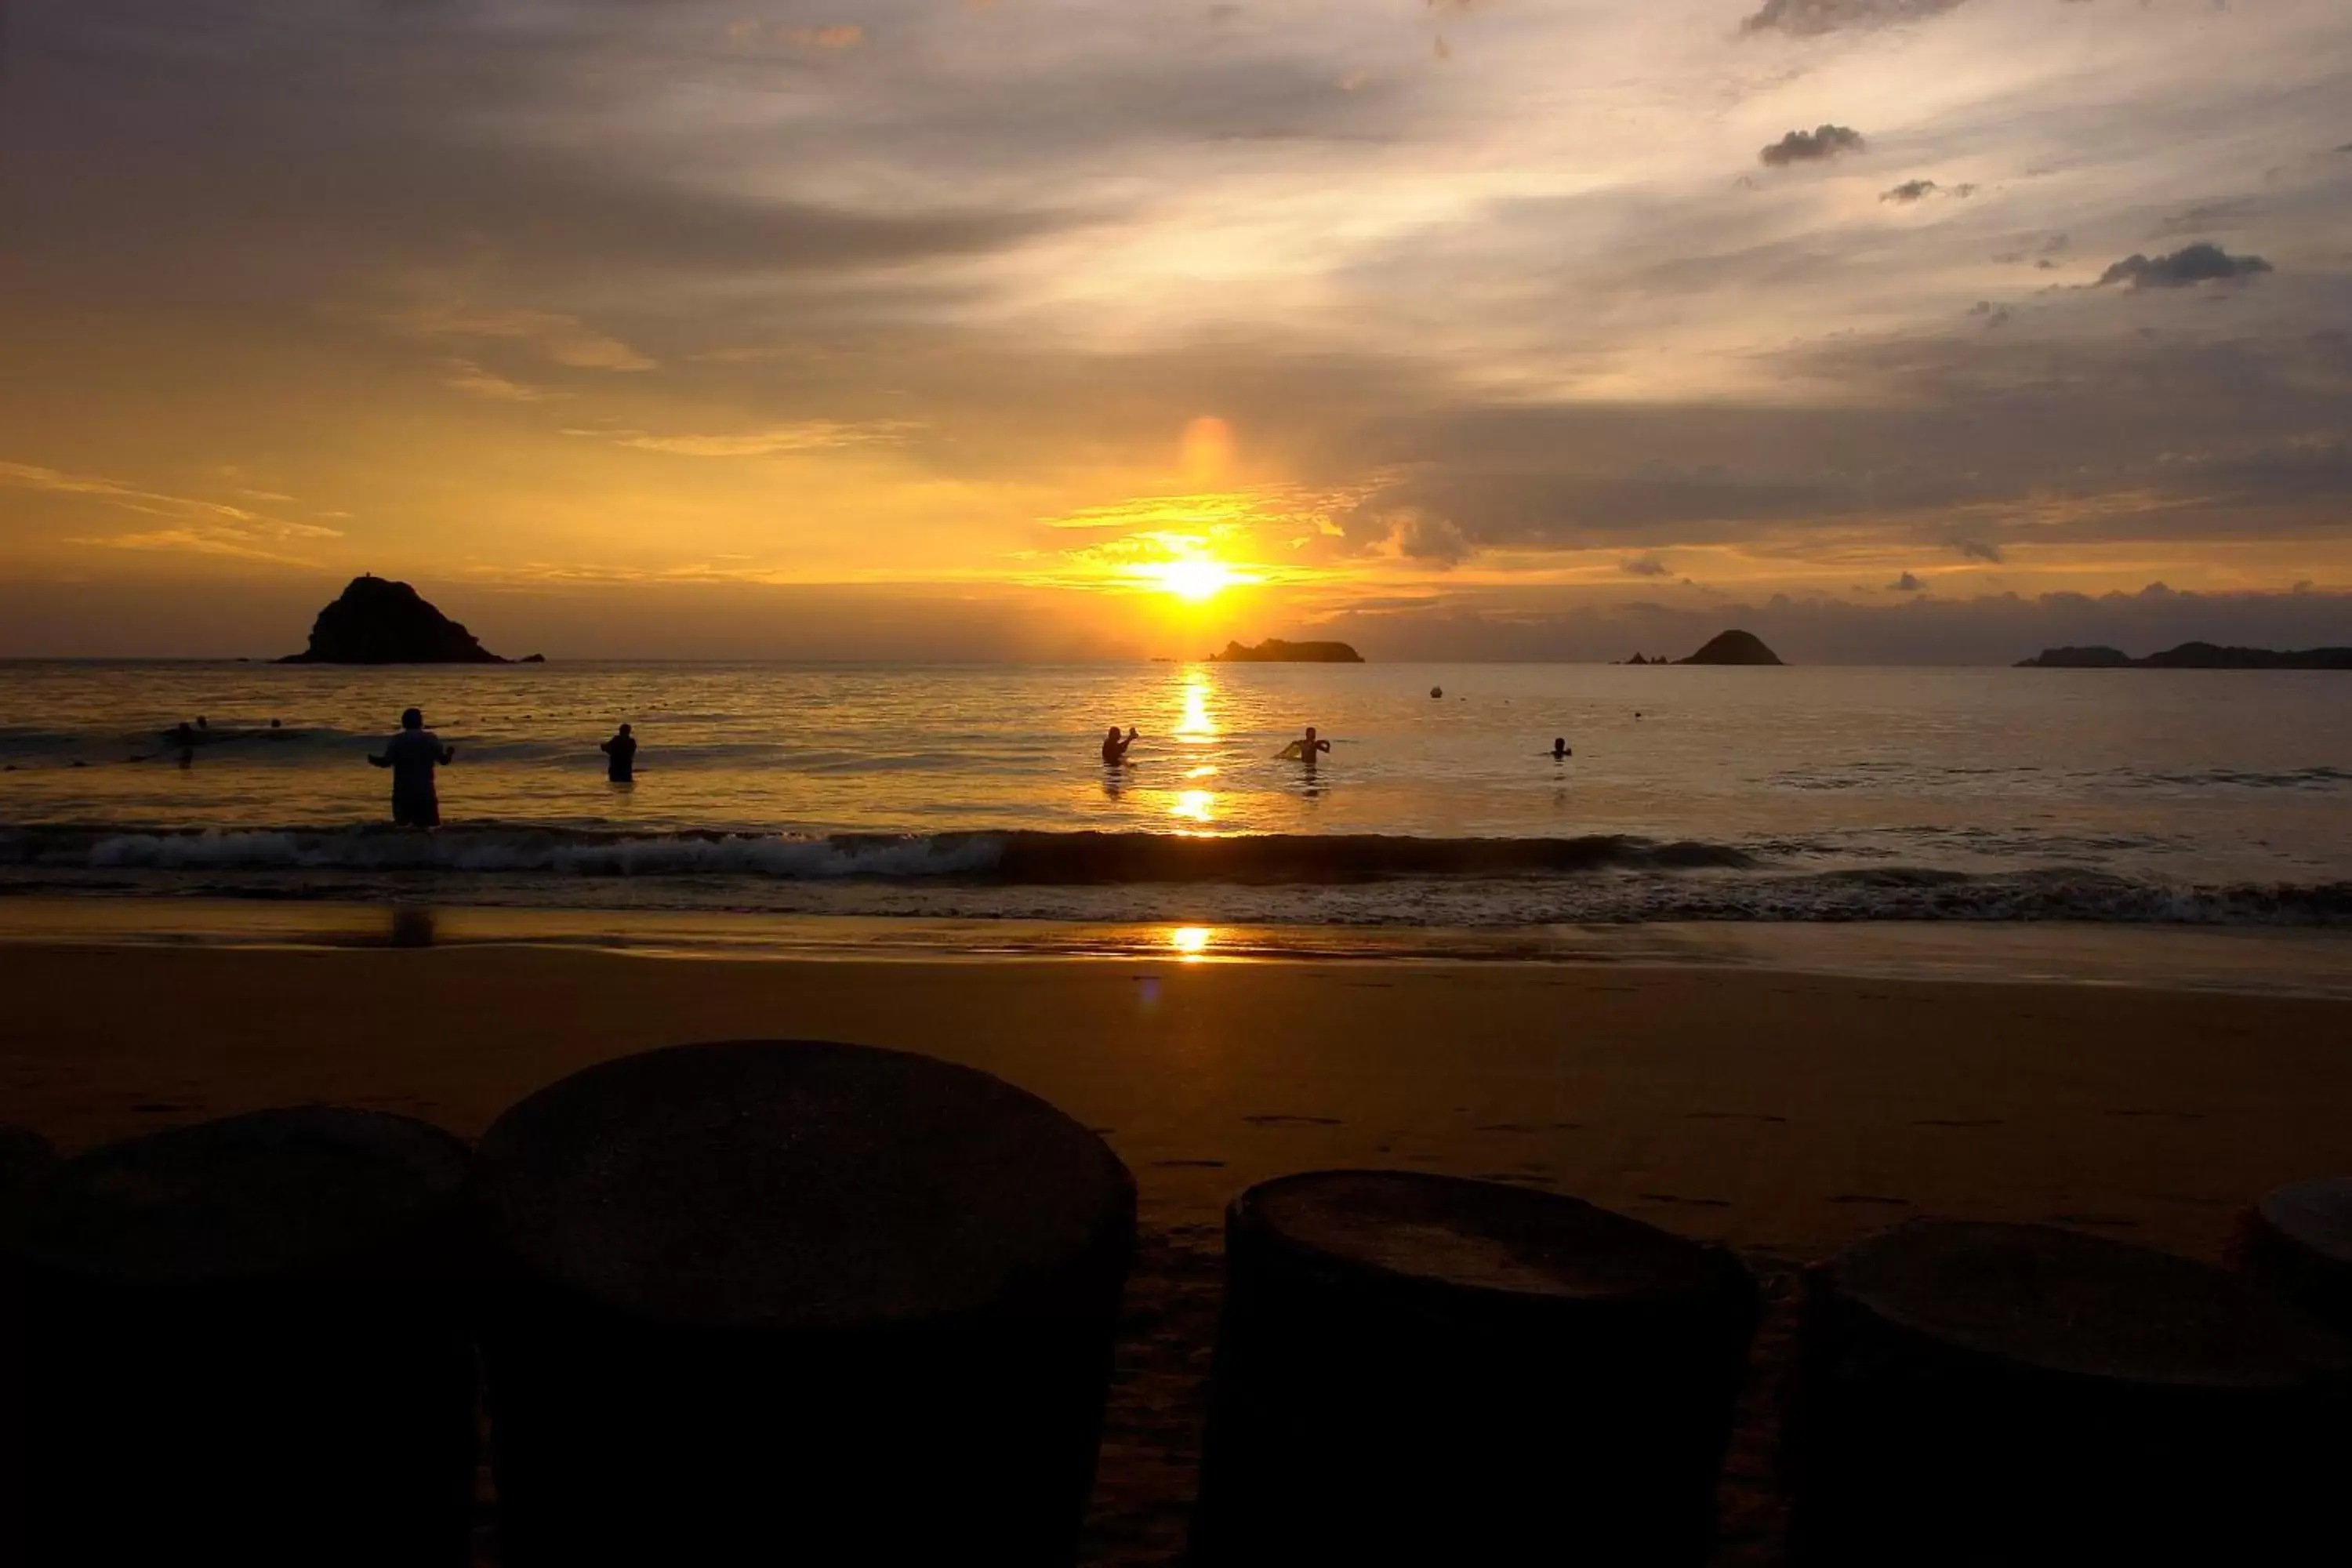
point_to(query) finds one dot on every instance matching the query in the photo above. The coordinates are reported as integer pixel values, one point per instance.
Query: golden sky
(1913, 329)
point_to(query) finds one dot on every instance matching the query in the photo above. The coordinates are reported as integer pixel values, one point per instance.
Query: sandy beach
(1782, 1113)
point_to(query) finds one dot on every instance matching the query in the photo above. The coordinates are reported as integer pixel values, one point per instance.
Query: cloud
(1906, 584)
(202, 527)
(1979, 549)
(1807, 18)
(840, 35)
(1992, 315)
(1911, 191)
(1430, 540)
(808, 435)
(1811, 146)
(2191, 265)
(1644, 566)
(468, 377)
(566, 340)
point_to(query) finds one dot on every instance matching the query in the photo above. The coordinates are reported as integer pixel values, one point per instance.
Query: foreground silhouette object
(784, 1301)
(1421, 1369)
(2298, 1242)
(25, 1161)
(2016, 1394)
(412, 755)
(621, 754)
(249, 1347)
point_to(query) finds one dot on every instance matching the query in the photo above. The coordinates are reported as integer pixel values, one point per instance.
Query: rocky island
(1733, 648)
(378, 621)
(1274, 651)
(2191, 656)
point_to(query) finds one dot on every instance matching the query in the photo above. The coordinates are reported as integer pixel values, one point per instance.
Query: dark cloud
(1811, 146)
(2191, 263)
(1906, 584)
(1430, 540)
(1979, 549)
(1911, 191)
(1644, 566)
(1992, 315)
(1806, 18)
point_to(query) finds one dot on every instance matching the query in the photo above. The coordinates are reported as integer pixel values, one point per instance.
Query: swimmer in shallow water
(1559, 749)
(1114, 750)
(1305, 750)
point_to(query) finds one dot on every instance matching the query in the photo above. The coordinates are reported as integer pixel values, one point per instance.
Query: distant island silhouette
(378, 621)
(1731, 647)
(1274, 650)
(2191, 656)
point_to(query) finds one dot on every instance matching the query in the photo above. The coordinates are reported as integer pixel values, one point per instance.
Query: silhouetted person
(412, 755)
(1114, 748)
(623, 751)
(1308, 749)
(1559, 749)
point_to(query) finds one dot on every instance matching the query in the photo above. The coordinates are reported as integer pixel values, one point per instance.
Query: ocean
(975, 792)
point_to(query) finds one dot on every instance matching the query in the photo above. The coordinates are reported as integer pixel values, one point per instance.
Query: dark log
(2015, 1394)
(782, 1300)
(2297, 1241)
(1422, 1369)
(249, 1346)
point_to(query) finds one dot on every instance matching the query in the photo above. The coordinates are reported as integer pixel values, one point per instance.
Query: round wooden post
(249, 1346)
(1421, 1369)
(2018, 1393)
(782, 1300)
(2297, 1241)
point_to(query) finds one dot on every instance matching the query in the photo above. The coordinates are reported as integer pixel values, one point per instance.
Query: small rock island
(1274, 651)
(378, 621)
(1732, 647)
(2191, 656)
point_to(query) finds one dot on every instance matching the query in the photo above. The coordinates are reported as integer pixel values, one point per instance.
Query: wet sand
(1782, 1113)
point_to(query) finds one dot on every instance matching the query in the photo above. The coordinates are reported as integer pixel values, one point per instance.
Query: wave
(1338, 879)
(1045, 859)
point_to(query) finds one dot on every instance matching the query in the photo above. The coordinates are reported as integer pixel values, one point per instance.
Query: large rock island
(378, 621)
(2191, 656)
(1733, 648)
(1274, 651)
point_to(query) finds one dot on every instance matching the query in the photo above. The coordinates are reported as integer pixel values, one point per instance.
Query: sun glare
(1195, 577)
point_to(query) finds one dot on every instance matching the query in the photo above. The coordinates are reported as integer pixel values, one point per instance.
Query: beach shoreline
(1784, 1113)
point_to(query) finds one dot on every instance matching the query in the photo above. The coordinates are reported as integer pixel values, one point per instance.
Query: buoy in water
(1437, 691)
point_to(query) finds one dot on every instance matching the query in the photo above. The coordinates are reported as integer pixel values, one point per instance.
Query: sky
(1895, 330)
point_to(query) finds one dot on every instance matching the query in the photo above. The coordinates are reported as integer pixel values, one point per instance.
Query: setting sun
(1195, 578)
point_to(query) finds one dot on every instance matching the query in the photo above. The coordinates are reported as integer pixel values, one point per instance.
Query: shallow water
(1693, 792)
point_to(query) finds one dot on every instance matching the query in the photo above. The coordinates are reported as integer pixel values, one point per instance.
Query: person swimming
(1114, 749)
(1306, 750)
(412, 755)
(1559, 747)
(623, 751)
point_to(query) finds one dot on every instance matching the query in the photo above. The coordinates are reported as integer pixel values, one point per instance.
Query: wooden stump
(25, 1161)
(2297, 1241)
(783, 1301)
(1421, 1369)
(249, 1346)
(2015, 1394)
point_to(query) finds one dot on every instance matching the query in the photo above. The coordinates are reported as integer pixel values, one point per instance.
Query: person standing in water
(412, 755)
(1114, 750)
(1559, 749)
(622, 749)
(1308, 749)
